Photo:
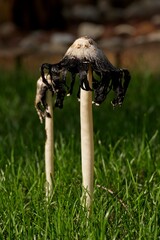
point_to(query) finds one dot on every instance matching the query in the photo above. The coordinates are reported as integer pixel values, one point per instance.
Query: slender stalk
(49, 151)
(87, 143)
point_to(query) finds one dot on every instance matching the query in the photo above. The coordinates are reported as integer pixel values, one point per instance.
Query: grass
(127, 166)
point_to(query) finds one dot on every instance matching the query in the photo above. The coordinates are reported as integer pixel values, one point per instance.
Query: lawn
(127, 165)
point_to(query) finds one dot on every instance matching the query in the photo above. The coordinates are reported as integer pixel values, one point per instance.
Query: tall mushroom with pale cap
(83, 58)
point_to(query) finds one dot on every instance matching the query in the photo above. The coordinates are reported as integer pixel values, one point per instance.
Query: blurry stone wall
(42, 14)
(36, 31)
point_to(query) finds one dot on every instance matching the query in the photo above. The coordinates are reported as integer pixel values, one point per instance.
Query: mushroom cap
(85, 50)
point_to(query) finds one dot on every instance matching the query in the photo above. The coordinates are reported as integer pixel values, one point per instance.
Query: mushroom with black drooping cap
(84, 58)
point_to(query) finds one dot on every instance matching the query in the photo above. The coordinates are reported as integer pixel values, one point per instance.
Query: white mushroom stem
(49, 144)
(87, 143)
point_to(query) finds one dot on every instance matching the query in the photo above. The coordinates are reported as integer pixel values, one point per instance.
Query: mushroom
(84, 58)
(44, 98)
